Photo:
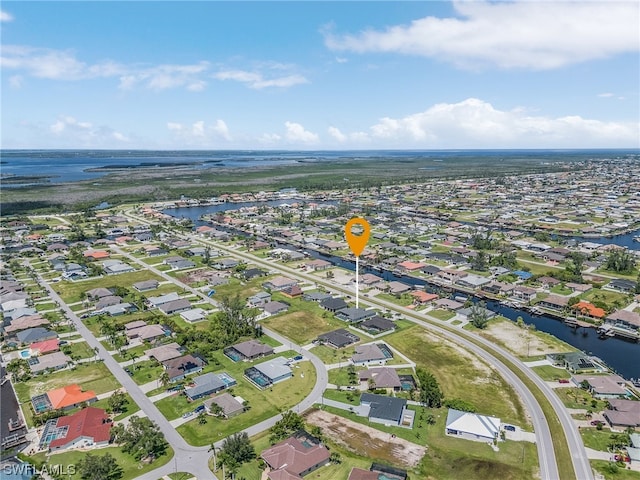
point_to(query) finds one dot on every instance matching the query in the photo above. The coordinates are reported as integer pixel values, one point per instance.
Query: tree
(236, 450)
(429, 393)
(479, 316)
(202, 418)
(117, 401)
(480, 263)
(459, 404)
(99, 467)
(335, 458)
(574, 263)
(141, 438)
(290, 423)
(164, 378)
(235, 319)
(620, 261)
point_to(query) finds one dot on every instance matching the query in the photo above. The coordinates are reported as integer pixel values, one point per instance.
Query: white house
(472, 426)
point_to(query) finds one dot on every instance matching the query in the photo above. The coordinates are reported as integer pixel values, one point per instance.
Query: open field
(620, 474)
(71, 292)
(90, 376)
(551, 373)
(461, 374)
(303, 326)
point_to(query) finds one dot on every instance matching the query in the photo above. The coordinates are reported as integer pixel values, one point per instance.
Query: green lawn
(621, 473)
(146, 371)
(80, 350)
(130, 408)
(330, 355)
(71, 291)
(303, 322)
(402, 301)
(596, 439)
(461, 374)
(263, 404)
(551, 373)
(90, 376)
(441, 314)
(138, 350)
(343, 395)
(579, 398)
(130, 467)
(560, 289)
(606, 296)
(340, 376)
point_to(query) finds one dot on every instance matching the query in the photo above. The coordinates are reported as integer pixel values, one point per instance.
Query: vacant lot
(461, 374)
(303, 326)
(367, 441)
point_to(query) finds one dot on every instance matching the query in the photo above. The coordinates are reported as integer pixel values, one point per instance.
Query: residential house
(388, 410)
(71, 396)
(621, 285)
(44, 347)
(259, 299)
(295, 457)
(228, 403)
(603, 386)
(472, 426)
(98, 293)
(249, 350)
(623, 413)
(589, 310)
(409, 267)
(209, 383)
(448, 304)
(423, 298)
(397, 288)
(279, 283)
(376, 325)
(293, 291)
(381, 377)
(333, 305)
(165, 352)
(48, 362)
(371, 353)
(575, 362)
(145, 332)
(275, 370)
(524, 294)
(155, 302)
(175, 306)
(113, 267)
(146, 285)
(318, 265)
(338, 338)
(193, 315)
(90, 427)
(26, 322)
(624, 319)
(554, 302)
(472, 281)
(32, 335)
(354, 315)
(178, 368)
(274, 308)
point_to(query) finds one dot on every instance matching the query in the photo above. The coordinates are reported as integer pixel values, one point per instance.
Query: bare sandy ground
(522, 342)
(367, 441)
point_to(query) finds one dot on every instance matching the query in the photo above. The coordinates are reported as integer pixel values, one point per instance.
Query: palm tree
(212, 449)
(164, 379)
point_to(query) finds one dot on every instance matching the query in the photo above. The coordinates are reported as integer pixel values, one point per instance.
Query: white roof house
(472, 426)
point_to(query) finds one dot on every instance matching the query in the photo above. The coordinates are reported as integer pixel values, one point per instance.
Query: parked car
(199, 409)
(297, 358)
(563, 380)
(187, 415)
(597, 422)
(510, 428)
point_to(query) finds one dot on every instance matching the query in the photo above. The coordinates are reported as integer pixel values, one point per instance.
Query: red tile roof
(45, 346)
(293, 456)
(88, 423)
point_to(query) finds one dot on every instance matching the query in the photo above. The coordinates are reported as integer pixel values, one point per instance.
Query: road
(546, 457)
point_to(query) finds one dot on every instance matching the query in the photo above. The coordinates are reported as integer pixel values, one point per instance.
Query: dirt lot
(520, 341)
(367, 441)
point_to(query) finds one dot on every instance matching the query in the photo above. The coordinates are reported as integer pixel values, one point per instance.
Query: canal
(621, 355)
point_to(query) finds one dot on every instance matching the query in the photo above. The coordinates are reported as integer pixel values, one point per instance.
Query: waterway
(620, 355)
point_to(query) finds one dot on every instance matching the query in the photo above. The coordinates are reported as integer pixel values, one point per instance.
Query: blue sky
(320, 75)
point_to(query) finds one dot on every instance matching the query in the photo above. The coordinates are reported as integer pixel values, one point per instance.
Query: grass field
(71, 291)
(441, 314)
(579, 398)
(90, 376)
(551, 373)
(621, 473)
(596, 439)
(130, 467)
(461, 374)
(303, 326)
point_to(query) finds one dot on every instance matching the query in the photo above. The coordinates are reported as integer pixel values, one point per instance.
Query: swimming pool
(25, 354)
(227, 379)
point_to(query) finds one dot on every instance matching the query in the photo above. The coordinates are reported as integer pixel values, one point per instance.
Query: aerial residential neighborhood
(196, 348)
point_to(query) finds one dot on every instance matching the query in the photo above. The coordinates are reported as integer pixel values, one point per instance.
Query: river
(620, 355)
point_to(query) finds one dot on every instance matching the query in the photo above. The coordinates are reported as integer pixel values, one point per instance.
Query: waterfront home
(448, 304)
(524, 294)
(370, 280)
(408, 266)
(589, 310)
(575, 362)
(554, 302)
(472, 281)
(396, 288)
(295, 457)
(472, 426)
(603, 386)
(624, 319)
(623, 413)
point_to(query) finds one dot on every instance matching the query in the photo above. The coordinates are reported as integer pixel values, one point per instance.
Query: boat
(636, 238)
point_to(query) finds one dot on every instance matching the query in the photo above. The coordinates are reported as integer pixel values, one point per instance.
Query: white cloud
(605, 95)
(257, 80)
(297, 134)
(529, 35)
(5, 16)
(15, 81)
(341, 60)
(269, 139)
(474, 123)
(199, 133)
(69, 132)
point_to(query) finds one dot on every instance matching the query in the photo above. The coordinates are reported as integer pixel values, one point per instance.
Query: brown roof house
(295, 457)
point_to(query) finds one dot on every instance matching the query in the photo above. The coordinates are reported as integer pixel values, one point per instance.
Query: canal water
(621, 355)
